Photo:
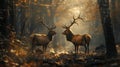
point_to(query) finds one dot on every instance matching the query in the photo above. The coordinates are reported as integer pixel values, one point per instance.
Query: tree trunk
(107, 27)
(3, 18)
(115, 19)
(11, 12)
(4, 31)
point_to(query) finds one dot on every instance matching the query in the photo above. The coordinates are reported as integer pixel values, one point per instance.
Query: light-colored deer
(43, 39)
(77, 40)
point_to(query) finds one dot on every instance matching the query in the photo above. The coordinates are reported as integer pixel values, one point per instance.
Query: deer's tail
(86, 40)
(87, 37)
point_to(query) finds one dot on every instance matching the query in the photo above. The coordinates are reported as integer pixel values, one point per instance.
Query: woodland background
(20, 18)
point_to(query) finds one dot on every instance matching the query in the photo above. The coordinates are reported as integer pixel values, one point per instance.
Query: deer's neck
(69, 36)
(49, 36)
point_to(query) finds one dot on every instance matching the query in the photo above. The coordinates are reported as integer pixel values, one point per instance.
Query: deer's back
(40, 40)
(81, 39)
(43, 39)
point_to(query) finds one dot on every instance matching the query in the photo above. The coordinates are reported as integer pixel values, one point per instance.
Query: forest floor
(21, 56)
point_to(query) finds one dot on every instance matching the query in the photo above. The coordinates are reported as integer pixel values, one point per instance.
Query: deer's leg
(75, 48)
(32, 48)
(88, 47)
(45, 48)
(85, 49)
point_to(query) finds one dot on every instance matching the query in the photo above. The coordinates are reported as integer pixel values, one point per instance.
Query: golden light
(74, 11)
(35, 1)
(61, 52)
(58, 53)
(19, 52)
(22, 1)
(52, 50)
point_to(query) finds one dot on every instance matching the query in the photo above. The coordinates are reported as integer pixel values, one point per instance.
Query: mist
(90, 25)
(61, 13)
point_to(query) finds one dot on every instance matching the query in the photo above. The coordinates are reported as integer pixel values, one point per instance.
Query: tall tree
(21, 7)
(115, 19)
(11, 9)
(3, 18)
(107, 27)
(4, 28)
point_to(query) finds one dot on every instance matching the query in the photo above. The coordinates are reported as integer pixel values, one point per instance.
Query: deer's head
(67, 28)
(50, 29)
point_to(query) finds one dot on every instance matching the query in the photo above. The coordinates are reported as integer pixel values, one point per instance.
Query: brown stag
(77, 40)
(43, 39)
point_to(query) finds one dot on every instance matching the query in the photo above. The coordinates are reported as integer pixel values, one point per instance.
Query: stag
(77, 40)
(43, 39)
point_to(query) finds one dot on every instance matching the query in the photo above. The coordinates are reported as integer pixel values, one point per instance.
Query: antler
(43, 22)
(53, 27)
(80, 18)
(64, 27)
(49, 28)
(74, 21)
